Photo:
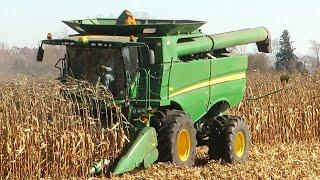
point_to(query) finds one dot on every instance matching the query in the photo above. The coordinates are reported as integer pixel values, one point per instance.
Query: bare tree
(62, 34)
(310, 62)
(315, 49)
(259, 61)
(275, 46)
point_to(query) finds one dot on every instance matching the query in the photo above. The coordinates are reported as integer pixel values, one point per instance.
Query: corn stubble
(43, 135)
(284, 161)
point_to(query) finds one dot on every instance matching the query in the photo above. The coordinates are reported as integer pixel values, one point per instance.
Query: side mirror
(152, 59)
(40, 54)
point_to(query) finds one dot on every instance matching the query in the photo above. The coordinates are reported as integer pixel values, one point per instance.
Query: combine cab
(172, 82)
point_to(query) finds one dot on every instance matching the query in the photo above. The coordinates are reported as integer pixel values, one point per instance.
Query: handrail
(169, 77)
(149, 89)
(63, 64)
(148, 92)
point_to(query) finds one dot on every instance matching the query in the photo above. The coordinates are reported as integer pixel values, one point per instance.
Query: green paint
(195, 45)
(236, 38)
(143, 150)
(199, 98)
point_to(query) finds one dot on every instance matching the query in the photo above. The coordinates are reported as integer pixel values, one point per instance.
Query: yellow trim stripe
(211, 82)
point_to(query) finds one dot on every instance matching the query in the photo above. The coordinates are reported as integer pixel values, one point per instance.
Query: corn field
(48, 134)
(53, 131)
(292, 115)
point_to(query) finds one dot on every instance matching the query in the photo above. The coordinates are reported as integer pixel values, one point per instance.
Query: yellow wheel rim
(183, 145)
(239, 144)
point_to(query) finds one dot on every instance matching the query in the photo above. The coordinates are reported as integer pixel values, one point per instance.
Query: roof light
(83, 39)
(149, 30)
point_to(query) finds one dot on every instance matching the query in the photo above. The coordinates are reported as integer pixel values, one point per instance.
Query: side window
(131, 61)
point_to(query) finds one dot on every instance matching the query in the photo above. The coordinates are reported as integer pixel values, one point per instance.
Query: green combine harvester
(173, 83)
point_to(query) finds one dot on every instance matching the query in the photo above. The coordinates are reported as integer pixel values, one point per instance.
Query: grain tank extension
(173, 83)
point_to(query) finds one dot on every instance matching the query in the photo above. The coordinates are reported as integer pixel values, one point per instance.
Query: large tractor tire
(177, 139)
(229, 139)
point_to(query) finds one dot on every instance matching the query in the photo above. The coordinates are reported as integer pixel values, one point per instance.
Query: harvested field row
(43, 135)
(281, 161)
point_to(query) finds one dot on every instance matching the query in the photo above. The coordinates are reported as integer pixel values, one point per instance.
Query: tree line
(15, 60)
(285, 58)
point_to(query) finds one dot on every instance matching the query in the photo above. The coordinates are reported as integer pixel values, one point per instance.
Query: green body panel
(185, 75)
(143, 150)
(232, 74)
(194, 103)
(225, 92)
(198, 85)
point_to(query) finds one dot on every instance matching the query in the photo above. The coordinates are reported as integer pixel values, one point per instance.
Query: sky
(25, 23)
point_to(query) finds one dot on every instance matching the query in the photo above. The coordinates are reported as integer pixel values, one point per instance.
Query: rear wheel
(229, 139)
(177, 139)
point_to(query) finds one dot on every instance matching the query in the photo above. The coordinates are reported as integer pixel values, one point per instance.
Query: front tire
(177, 139)
(229, 139)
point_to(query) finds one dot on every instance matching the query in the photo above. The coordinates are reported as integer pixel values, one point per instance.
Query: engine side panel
(197, 85)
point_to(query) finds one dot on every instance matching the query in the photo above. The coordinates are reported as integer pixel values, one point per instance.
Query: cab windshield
(107, 65)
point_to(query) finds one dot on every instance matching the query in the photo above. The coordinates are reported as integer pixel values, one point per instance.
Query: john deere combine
(173, 83)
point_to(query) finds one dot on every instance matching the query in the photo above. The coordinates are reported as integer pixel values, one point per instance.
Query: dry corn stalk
(290, 116)
(49, 130)
(46, 133)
